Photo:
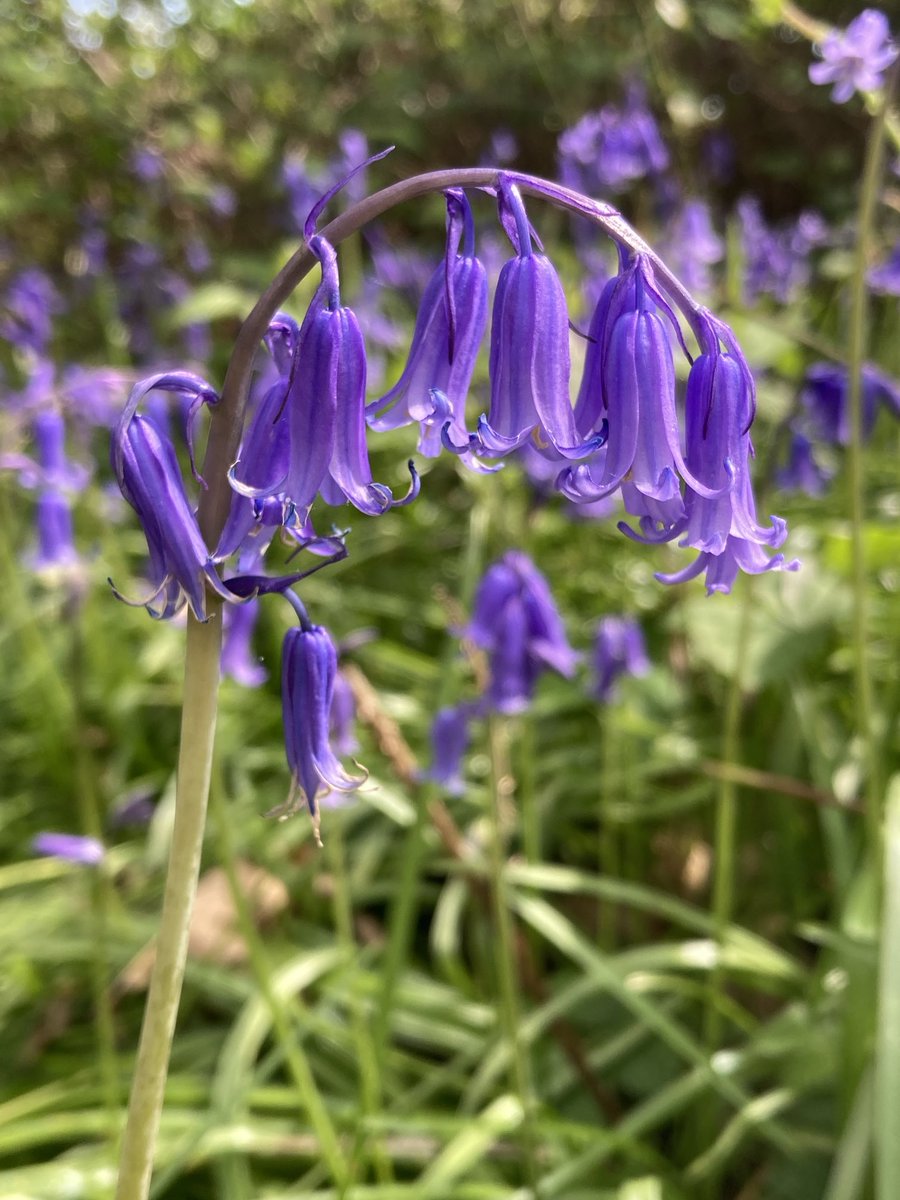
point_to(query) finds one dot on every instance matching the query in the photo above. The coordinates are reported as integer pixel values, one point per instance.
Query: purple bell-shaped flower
(449, 327)
(309, 663)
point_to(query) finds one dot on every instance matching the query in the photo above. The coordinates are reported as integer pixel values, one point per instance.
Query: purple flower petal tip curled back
(449, 327)
(149, 478)
(619, 650)
(308, 667)
(450, 736)
(515, 620)
(719, 518)
(70, 847)
(856, 59)
(529, 357)
(325, 412)
(630, 373)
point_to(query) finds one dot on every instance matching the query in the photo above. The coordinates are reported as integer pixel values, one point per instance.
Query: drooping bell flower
(325, 409)
(721, 521)
(619, 650)
(309, 663)
(516, 621)
(529, 360)
(450, 736)
(802, 472)
(449, 327)
(638, 391)
(149, 478)
(825, 399)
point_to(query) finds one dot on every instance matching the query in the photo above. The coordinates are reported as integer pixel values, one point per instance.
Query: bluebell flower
(449, 327)
(325, 410)
(55, 532)
(856, 59)
(801, 472)
(693, 246)
(149, 478)
(529, 360)
(516, 621)
(29, 305)
(613, 148)
(342, 717)
(776, 261)
(619, 649)
(630, 371)
(885, 277)
(70, 847)
(450, 736)
(720, 520)
(309, 663)
(825, 399)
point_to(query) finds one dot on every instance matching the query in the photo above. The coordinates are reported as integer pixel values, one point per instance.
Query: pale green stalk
(198, 723)
(856, 353)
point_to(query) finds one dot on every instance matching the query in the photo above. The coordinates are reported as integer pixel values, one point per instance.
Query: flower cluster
(304, 445)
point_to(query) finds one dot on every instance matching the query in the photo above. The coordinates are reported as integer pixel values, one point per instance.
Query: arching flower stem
(228, 417)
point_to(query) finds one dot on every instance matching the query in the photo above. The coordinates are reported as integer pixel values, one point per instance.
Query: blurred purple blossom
(619, 650)
(613, 147)
(856, 59)
(450, 735)
(70, 847)
(515, 619)
(801, 472)
(238, 660)
(693, 246)
(885, 278)
(825, 400)
(27, 311)
(776, 261)
(147, 164)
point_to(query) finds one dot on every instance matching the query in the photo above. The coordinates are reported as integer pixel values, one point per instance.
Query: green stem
(856, 351)
(501, 786)
(198, 722)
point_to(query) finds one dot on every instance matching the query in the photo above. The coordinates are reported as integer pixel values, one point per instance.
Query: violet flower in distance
(619, 650)
(856, 59)
(70, 847)
(516, 621)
